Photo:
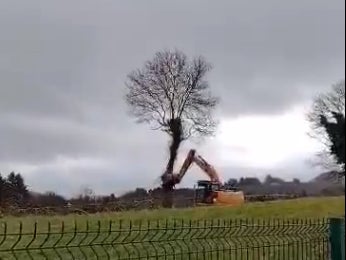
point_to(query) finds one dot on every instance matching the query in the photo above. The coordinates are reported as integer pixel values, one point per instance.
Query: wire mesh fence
(168, 239)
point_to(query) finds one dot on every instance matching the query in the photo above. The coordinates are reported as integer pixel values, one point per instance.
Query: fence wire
(169, 239)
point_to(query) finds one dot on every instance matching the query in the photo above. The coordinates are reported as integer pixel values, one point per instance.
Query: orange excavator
(210, 191)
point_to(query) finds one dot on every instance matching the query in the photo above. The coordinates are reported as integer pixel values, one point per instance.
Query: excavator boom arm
(186, 165)
(207, 168)
(203, 164)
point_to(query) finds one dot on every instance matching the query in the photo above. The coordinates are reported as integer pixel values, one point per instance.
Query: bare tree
(325, 109)
(171, 95)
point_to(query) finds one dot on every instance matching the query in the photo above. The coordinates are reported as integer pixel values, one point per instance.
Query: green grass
(299, 208)
(297, 231)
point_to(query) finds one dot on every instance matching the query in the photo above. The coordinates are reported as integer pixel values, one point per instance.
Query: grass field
(299, 208)
(178, 233)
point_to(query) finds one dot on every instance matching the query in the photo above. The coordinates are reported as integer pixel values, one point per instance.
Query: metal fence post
(337, 238)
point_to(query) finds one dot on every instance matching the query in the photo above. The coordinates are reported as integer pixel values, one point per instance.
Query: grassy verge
(247, 232)
(299, 208)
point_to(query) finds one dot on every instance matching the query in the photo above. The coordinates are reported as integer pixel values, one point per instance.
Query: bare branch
(170, 87)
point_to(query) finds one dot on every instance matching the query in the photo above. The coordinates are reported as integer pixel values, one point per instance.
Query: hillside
(330, 176)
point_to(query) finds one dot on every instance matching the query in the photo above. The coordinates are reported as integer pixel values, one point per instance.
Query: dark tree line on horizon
(13, 191)
(14, 194)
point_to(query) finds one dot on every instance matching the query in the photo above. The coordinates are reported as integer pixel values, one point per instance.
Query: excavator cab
(206, 192)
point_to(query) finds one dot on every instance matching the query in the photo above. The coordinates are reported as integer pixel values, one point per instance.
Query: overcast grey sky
(64, 63)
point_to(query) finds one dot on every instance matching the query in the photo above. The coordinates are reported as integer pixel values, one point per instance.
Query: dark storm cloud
(264, 51)
(63, 65)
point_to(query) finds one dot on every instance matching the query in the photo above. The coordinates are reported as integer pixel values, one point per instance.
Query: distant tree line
(326, 184)
(253, 181)
(15, 198)
(13, 191)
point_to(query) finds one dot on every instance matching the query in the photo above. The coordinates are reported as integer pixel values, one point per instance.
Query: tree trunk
(173, 152)
(168, 200)
(177, 138)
